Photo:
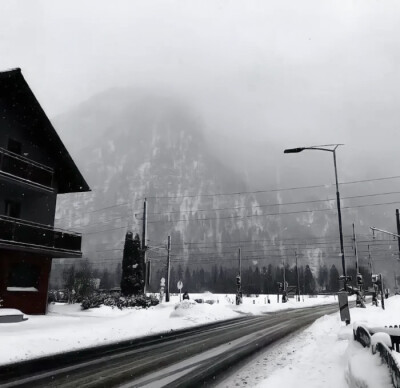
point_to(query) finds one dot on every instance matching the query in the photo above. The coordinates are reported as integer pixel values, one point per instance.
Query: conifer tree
(132, 282)
(187, 283)
(333, 279)
(309, 281)
(323, 276)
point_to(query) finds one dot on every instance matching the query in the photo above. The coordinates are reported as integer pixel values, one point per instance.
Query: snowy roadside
(67, 327)
(324, 354)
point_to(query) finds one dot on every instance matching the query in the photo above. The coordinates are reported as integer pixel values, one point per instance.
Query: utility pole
(240, 263)
(284, 292)
(340, 222)
(370, 261)
(168, 268)
(144, 247)
(239, 280)
(298, 280)
(398, 228)
(359, 301)
(284, 276)
(355, 249)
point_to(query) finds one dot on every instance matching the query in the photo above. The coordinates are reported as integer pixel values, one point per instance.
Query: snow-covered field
(67, 327)
(323, 355)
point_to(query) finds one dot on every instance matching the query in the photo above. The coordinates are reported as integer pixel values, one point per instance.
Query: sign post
(180, 286)
(344, 307)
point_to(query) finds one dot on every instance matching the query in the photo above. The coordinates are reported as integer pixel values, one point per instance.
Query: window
(23, 277)
(14, 146)
(13, 209)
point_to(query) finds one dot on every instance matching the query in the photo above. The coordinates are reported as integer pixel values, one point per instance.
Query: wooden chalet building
(34, 167)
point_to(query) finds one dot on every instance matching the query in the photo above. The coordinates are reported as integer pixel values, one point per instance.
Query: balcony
(19, 168)
(21, 235)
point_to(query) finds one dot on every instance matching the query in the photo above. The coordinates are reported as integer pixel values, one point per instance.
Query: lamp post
(333, 150)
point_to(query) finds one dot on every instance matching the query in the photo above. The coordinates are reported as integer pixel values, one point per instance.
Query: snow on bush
(96, 300)
(181, 309)
(186, 304)
(365, 370)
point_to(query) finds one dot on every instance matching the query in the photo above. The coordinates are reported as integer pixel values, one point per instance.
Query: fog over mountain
(134, 144)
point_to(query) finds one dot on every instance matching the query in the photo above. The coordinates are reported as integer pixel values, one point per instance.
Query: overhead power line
(125, 217)
(248, 216)
(250, 192)
(271, 214)
(273, 204)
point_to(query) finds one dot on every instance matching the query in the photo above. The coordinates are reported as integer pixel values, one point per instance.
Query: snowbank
(323, 355)
(364, 369)
(7, 312)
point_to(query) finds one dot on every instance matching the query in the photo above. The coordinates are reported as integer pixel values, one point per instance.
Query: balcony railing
(19, 232)
(25, 169)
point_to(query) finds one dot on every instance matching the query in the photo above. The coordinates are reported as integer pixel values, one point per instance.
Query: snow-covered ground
(323, 355)
(67, 327)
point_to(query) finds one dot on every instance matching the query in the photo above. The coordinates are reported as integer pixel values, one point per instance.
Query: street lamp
(332, 149)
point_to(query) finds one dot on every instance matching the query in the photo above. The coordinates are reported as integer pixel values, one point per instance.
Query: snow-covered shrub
(96, 300)
(51, 297)
(93, 301)
(187, 308)
(186, 304)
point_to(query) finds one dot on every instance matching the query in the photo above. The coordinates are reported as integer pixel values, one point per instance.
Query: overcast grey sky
(283, 71)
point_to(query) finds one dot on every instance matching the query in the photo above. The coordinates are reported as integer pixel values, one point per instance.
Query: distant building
(34, 167)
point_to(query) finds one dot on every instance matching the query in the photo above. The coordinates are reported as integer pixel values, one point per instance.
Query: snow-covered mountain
(133, 144)
(131, 147)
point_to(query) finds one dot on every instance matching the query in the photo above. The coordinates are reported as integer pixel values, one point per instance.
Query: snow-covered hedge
(96, 300)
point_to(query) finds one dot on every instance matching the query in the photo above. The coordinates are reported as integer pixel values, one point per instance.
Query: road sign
(162, 282)
(179, 285)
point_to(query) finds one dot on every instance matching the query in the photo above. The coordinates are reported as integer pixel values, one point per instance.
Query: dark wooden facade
(34, 168)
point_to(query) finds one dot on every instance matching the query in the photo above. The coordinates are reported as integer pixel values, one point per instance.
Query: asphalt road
(185, 358)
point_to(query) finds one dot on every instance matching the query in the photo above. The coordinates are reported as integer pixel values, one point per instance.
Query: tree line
(255, 279)
(130, 276)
